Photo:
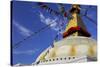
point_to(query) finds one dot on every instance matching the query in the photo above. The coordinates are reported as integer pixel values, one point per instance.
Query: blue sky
(27, 18)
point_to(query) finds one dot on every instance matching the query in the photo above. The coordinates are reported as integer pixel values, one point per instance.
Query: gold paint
(91, 52)
(72, 22)
(73, 51)
(43, 57)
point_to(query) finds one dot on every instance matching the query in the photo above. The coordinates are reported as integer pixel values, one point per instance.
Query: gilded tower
(75, 26)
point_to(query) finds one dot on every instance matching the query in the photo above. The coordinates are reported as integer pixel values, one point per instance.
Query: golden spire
(75, 26)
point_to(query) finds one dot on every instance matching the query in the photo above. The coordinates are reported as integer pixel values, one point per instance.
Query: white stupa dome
(69, 47)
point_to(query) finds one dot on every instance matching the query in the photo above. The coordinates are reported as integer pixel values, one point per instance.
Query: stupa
(76, 45)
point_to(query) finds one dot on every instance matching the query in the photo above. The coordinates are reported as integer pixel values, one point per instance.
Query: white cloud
(23, 30)
(28, 52)
(53, 22)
